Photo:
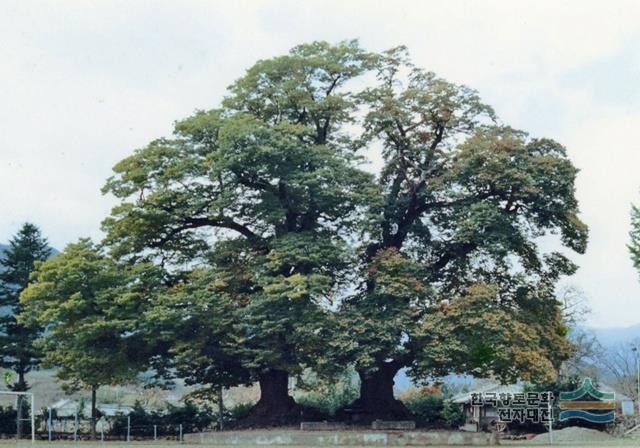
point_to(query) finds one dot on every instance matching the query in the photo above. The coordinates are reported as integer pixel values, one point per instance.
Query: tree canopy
(90, 307)
(17, 350)
(463, 204)
(25, 249)
(267, 185)
(282, 252)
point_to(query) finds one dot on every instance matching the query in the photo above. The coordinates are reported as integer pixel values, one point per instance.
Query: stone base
(341, 438)
(400, 425)
(322, 426)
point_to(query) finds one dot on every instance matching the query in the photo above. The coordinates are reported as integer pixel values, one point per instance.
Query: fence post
(75, 427)
(155, 432)
(220, 410)
(49, 423)
(33, 419)
(128, 428)
(180, 432)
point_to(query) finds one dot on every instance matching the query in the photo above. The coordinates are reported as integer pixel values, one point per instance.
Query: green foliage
(282, 254)
(452, 414)
(265, 189)
(167, 422)
(474, 334)
(89, 306)
(17, 340)
(196, 326)
(8, 420)
(463, 201)
(235, 413)
(432, 408)
(329, 395)
(428, 408)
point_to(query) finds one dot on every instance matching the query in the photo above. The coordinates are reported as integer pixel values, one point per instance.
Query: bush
(329, 396)
(427, 407)
(452, 414)
(432, 409)
(237, 412)
(167, 422)
(8, 420)
(191, 418)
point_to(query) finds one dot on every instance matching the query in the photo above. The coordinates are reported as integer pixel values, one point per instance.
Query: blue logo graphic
(588, 403)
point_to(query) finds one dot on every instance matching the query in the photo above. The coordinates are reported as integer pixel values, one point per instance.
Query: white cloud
(84, 83)
(606, 147)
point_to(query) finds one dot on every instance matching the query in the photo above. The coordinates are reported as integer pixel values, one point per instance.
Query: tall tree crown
(26, 249)
(270, 185)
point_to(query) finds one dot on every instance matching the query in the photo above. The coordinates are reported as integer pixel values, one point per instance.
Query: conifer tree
(17, 351)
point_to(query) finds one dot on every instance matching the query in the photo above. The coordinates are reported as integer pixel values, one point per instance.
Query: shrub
(190, 416)
(329, 396)
(452, 414)
(427, 406)
(235, 413)
(167, 422)
(7, 420)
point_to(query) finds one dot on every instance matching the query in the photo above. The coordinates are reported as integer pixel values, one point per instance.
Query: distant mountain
(608, 338)
(4, 247)
(618, 335)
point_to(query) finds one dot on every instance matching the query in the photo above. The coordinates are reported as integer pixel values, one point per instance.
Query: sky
(83, 84)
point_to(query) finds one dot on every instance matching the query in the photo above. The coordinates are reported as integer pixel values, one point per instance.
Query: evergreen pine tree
(16, 340)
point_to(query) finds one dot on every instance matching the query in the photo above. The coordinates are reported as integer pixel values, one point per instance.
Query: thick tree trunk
(276, 406)
(93, 412)
(376, 397)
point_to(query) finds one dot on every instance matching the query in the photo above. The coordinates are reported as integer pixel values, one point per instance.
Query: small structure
(112, 409)
(67, 408)
(479, 418)
(482, 418)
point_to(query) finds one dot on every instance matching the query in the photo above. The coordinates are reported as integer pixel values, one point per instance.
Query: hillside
(4, 247)
(610, 337)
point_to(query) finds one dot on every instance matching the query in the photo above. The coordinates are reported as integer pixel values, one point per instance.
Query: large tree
(90, 307)
(16, 340)
(267, 189)
(464, 202)
(270, 180)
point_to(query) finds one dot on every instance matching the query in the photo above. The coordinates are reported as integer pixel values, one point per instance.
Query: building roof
(67, 407)
(465, 397)
(110, 410)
